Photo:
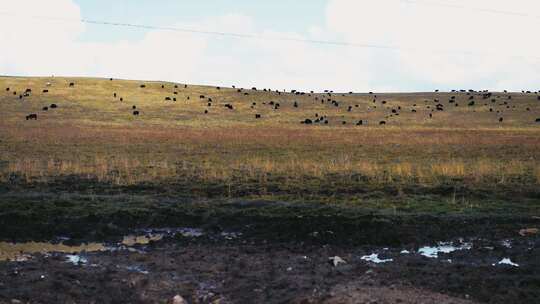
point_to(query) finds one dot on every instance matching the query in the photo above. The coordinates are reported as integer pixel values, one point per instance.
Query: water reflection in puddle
(76, 259)
(433, 252)
(506, 261)
(374, 258)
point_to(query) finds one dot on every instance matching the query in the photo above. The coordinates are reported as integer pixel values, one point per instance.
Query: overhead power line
(204, 32)
(467, 7)
(263, 37)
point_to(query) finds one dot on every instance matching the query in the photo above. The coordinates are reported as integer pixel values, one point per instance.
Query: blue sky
(431, 41)
(279, 15)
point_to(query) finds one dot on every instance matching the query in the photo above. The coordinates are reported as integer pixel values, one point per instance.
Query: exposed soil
(217, 269)
(260, 251)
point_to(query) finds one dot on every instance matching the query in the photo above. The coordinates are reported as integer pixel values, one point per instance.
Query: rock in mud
(336, 261)
(528, 231)
(178, 300)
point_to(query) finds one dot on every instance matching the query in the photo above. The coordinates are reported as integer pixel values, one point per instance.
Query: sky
(419, 45)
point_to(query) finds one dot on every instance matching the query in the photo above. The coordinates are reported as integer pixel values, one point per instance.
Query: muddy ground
(259, 251)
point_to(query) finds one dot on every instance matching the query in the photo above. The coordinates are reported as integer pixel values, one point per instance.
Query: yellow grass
(93, 135)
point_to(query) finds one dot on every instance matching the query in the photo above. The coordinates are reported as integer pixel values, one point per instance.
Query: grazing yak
(45, 91)
(133, 107)
(229, 106)
(257, 116)
(45, 108)
(71, 84)
(143, 86)
(136, 113)
(31, 116)
(307, 121)
(53, 106)
(382, 122)
(538, 120)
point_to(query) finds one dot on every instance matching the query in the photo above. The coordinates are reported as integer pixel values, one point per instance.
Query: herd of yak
(328, 97)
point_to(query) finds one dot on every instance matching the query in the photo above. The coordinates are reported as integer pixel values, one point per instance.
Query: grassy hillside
(92, 135)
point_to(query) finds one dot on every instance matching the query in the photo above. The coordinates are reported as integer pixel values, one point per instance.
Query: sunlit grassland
(93, 135)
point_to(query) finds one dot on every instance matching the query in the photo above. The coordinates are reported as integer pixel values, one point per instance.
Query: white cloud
(435, 39)
(431, 39)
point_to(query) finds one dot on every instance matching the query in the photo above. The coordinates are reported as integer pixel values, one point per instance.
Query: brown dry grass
(95, 136)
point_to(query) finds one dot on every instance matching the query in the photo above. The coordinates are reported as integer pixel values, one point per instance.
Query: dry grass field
(93, 134)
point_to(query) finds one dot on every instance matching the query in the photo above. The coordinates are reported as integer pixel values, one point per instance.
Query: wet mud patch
(205, 269)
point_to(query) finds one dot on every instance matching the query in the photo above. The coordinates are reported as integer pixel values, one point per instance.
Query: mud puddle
(23, 251)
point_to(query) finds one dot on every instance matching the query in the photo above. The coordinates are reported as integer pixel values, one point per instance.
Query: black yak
(31, 116)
